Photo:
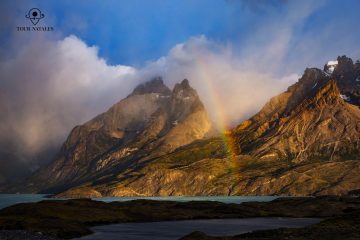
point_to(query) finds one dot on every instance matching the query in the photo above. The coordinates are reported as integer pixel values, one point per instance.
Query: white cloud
(51, 86)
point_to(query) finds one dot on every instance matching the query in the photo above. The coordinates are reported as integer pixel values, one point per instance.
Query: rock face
(150, 122)
(311, 120)
(305, 141)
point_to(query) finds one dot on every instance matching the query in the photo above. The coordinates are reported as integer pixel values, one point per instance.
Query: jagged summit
(152, 121)
(184, 83)
(347, 75)
(156, 85)
(184, 100)
(184, 89)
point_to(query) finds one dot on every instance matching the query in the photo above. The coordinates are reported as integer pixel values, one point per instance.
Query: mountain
(305, 141)
(150, 122)
(313, 119)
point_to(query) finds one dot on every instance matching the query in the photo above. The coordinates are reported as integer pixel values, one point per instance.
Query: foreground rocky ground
(24, 235)
(73, 218)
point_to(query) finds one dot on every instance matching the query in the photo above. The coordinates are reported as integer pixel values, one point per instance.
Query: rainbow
(222, 122)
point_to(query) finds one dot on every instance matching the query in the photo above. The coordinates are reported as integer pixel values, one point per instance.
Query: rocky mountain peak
(341, 64)
(184, 100)
(184, 92)
(184, 88)
(344, 72)
(185, 83)
(345, 61)
(314, 114)
(347, 76)
(156, 85)
(150, 122)
(311, 80)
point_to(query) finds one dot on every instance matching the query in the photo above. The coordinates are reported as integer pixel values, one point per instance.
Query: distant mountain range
(157, 141)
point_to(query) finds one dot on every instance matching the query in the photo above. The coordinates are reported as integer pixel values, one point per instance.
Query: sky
(235, 53)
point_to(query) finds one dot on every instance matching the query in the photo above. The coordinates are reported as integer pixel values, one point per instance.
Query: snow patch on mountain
(331, 66)
(346, 98)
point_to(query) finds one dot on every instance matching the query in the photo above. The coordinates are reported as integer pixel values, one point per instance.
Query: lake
(11, 199)
(168, 230)
(173, 230)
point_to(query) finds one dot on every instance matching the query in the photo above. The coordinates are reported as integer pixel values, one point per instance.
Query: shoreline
(74, 218)
(178, 229)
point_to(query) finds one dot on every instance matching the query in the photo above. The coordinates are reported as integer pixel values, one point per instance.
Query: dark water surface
(11, 199)
(172, 230)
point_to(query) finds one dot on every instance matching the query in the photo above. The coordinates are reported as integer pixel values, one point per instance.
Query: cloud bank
(48, 87)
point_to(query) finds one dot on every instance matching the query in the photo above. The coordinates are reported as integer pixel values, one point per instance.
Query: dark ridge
(156, 85)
